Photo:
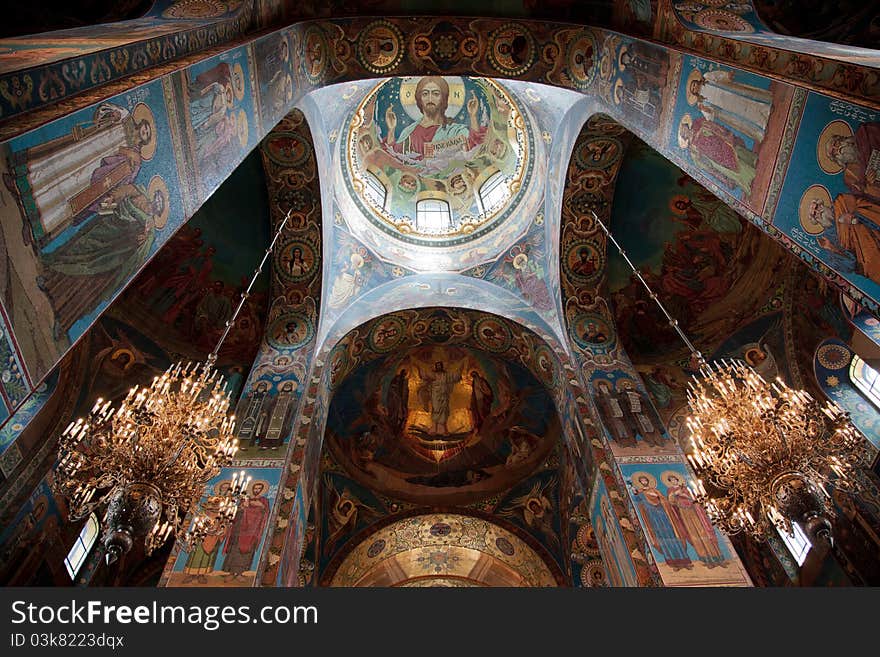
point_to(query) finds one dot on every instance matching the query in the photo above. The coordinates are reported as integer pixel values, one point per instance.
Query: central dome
(438, 161)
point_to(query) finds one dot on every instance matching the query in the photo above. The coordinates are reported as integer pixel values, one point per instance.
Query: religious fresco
(534, 505)
(723, 119)
(630, 419)
(87, 229)
(585, 558)
(717, 16)
(39, 69)
(185, 295)
(218, 114)
(483, 203)
(832, 369)
(274, 77)
(609, 540)
(833, 196)
(229, 558)
(13, 425)
(717, 275)
(688, 549)
(444, 549)
(636, 77)
(411, 136)
(38, 534)
(577, 68)
(441, 424)
(275, 385)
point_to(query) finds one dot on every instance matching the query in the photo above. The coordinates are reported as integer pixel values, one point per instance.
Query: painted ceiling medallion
(438, 161)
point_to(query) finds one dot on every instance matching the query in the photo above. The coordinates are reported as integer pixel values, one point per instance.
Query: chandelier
(146, 462)
(765, 455)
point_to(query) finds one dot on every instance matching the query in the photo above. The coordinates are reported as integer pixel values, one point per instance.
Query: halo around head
(837, 128)
(635, 476)
(141, 113)
(813, 192)
(695, 76)
(686, 121)
(157, 185)
(666, 475)
(408, 96)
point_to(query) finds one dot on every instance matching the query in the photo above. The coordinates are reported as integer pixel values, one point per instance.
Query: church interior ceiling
(441, 309)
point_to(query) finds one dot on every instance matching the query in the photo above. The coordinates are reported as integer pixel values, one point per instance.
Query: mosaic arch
(568, 56)
(582, 59)
(425, 328)
(631, 427)
(445, 550)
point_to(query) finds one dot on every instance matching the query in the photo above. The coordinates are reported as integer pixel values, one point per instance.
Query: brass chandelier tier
(146, 462)
(149, 459)
(764, 455)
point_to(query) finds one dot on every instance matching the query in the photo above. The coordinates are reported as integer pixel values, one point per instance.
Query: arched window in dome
(433, 216)
(375, 190)
(866, 379)
(492, 192)
(83, 545)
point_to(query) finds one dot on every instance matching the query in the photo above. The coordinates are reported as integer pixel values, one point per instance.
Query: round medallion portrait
(438, 161)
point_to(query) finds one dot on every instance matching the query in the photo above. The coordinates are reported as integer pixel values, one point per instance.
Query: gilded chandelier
(764, 454)
(146, 462)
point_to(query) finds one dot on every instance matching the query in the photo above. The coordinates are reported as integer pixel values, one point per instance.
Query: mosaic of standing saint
(438, 160)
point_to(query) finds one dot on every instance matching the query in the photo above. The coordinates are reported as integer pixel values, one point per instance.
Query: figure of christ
(432, 99)
(439, 384)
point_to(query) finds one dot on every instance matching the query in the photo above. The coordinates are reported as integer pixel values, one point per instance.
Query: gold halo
(520, 260)
(618, 86)
(675, 199)
(357, 260)
(750, 355)
(595, 383)
(266, 486)
(664, 477)
(242, 127)
(229, 96)
(408, 92)
(695, 75)
(837, 128)
(219, 485)
(686, 120)
(652, 480)
(812, 192)
(620, 64)
(238, 80)
(158, 185)
(140, 113)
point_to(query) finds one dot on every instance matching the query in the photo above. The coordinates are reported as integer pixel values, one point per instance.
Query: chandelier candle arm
(147, 461)
(764, 454)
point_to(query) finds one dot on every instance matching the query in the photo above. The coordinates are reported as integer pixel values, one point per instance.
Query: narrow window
(83, 545)
(866, 379)
(798, 543)
(493, 191)
(375, 190)
(433, 216)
